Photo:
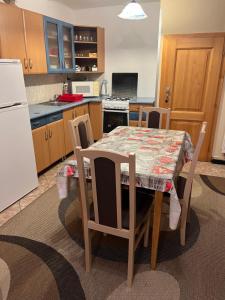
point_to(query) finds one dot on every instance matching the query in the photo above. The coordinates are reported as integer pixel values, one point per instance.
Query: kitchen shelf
(88, 72)
(86, 57)
(84, 42)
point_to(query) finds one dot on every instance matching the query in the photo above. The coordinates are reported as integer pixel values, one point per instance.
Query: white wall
(191, 16)
(131, 46)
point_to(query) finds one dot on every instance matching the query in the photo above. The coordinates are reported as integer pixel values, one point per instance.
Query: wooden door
(101, 49)
(56, 141)
(12, 40)
(40, 141)
(35, 43)
(68, 115)
(189, 81)
(95, 112)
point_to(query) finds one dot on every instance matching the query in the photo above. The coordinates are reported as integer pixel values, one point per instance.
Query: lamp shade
(133, 11)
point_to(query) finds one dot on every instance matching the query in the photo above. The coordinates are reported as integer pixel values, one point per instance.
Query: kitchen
(112, 67)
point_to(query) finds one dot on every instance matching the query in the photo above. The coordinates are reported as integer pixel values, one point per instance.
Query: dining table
(160, 155)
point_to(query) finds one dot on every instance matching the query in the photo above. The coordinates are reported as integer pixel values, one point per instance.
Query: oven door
(114, 118)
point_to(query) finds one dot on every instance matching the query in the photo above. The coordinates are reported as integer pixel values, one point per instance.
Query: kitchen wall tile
(42, 88)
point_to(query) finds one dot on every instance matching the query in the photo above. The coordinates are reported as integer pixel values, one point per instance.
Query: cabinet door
(40, 140)
(81, 110)
(35, 44)
(101, 49)
(68, 63)
(52, 43)
(56, 141)
(68, 115)
(12, 42)
(95, 112)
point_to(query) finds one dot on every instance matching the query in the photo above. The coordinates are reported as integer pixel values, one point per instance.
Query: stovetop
(116, 103)
(114, 98)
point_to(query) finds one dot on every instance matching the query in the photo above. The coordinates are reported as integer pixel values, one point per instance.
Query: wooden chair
(154, 116)
(114, 210)
(184, 186)
(81, 132)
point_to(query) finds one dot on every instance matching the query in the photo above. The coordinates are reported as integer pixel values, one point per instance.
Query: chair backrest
(191, 172)
(154, 116)
(105, 169)
(81, 132)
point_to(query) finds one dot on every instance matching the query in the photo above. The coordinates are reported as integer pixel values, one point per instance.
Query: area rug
(42, 255)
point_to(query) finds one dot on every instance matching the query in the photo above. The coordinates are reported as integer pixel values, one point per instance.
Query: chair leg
(183, 224)
(130, 272)
(146, 238)
(87, 243)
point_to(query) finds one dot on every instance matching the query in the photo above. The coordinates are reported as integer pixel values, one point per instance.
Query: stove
(116, 103)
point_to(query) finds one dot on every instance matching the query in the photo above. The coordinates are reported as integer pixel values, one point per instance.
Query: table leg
(156, 228)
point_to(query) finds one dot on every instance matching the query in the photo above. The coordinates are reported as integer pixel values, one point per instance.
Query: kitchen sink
(55, 103)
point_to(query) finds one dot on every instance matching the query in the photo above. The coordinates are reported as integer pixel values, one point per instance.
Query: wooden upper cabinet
(22, 37)
(12, 39)
(189, 82)
(101, 49)
(35, 43)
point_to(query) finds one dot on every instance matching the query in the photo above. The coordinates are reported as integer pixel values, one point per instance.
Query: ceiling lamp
(133, 11)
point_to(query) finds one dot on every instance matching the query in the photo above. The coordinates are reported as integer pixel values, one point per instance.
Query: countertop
(39, 110)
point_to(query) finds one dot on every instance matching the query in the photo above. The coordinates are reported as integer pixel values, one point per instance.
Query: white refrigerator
(18, 174)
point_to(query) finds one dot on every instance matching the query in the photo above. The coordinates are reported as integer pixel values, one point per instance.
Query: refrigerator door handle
(11, 105)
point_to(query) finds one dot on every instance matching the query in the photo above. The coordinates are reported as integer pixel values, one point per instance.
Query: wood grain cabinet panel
(95, 112)
(35, 43)
(81, 110)
(101, 49)
(12, 39)
(41, 150)
(67, 116)
(56, 141)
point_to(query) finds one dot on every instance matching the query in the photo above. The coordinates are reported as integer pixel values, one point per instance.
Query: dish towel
(223, 145)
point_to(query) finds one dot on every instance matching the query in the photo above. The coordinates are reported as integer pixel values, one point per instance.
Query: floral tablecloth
(160, 156)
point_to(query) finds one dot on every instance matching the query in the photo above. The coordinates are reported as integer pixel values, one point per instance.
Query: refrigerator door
(12, 88)
(18, 175)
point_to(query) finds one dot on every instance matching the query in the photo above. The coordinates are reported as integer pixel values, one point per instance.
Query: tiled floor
(48, 179)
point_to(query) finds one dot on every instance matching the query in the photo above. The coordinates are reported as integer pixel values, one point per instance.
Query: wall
(131, 46)
(191, 16)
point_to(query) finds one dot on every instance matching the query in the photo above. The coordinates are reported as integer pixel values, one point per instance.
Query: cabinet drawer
(55, 117)
(38, 122)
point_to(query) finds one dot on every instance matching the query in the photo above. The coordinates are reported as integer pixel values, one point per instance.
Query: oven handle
(119, 111)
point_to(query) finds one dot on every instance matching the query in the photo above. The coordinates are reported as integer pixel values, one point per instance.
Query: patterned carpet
(42, 256)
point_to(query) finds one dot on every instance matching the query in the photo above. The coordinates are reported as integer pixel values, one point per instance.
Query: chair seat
(143, 202)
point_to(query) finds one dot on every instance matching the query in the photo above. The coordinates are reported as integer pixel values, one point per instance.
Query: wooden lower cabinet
(95, 112)
(56, 141)
(49, 145)
(70, 115)
(41, 150)
(136, 108)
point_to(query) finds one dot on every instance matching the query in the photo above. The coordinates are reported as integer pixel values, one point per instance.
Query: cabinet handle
(25, 63)
(30, 63)
(73, 115)
(46, 135)
(50, 133)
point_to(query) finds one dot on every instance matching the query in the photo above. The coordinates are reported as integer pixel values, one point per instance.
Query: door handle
(50, 133)
(73, 115)
(25, 63)
(30, 63)
(46, 135)
(167, 94)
